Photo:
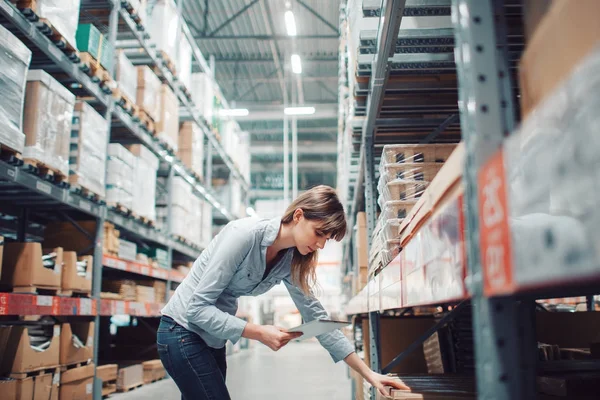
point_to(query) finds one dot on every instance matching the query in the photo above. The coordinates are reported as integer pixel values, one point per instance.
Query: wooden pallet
(147, 122)
(35, 372)
(67, 367)
(186, 92)
(121, 209)
(48, 173)
(130, 388)
(75, 293)
(30, 10)
(109, 388)
(96, 71)
(167, 62)
(126, 104)
(10, 155)
(166, 145)
(145, 220)
(37, 289)
(84, 192)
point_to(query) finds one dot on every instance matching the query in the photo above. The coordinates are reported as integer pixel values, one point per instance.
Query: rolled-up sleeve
(338, 346)
(230, 250)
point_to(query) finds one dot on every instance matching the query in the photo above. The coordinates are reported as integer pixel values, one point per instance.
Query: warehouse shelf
(77, 80)
(109, 261)
(32, 304)
(109, 308)
(21, 187)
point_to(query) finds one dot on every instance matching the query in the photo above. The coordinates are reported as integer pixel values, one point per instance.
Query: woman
(247, 258)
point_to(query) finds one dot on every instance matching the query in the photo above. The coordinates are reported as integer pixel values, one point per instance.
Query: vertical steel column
(294, 157)
(286, 161)
(113, 23)
(169, 225)
(22, 227)
(503, 328)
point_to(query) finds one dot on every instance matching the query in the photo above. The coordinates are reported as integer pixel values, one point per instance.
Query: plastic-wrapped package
(167, 126)
(416, 153)
(14, 58)
(163, 27)
(62, 14)
(90, 40)
(400, 190)
(120, 177)
(47, 122)
(184, 64)
(203, 94)
(409, 171)
(207, 222)
(191, 147)
(144, 187)
(87, 161)
(181, 193)
(127, 76)
(396, 209)
(148, 92)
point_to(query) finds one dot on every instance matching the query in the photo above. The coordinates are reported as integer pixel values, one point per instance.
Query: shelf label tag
(11, 173)
(43, 301)
(56, 330)
(85, 306)
(43, 187)
(88, 388)
(56, 378)
(495, 239)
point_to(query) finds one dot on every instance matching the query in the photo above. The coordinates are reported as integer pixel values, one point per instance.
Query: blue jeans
(198, 370)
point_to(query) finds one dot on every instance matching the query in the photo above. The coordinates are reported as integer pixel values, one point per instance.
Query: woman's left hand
(382, 381)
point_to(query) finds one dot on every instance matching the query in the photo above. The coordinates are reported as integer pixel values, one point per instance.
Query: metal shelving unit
(33, 199)
(502, 279)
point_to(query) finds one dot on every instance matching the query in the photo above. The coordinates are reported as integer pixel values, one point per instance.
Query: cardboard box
(167, 126)
(130, 377)
(17, 389)
(144, 294)
(148, 90)
(153, 371)
(77, 383)
(69, 353)
(46, 386)
(127, 250)
(17, 356)
(71, 281)
(107, 373)
(395, 335)
(90, 40)
(158, 287)
(47, 121)
(567, 33)
(23, 269)
(416, 153)
(191, 147)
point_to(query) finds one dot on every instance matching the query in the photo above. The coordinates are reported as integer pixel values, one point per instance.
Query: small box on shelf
(76, 274)
(153, 371)
(77, 383)
(130, 377)
(29, 268)
(76, 342)
(17, 355)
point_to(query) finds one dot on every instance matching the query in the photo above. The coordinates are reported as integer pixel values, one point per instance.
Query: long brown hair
(321, 204)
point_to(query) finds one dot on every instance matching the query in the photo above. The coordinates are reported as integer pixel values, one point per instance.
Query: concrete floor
(299, 371)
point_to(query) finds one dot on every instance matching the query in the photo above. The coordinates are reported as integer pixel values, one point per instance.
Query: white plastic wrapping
(63, 15)
(191, 147)
(148, 91)
(48, 120)
(14, 58)
(120, 177)
(87, 157)
(144, 187)
(126, 74)
(416, 153)
(167, 127)
(163, 26)
(203, 94)
(184, 64)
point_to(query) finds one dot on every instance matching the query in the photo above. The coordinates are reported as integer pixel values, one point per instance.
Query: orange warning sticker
(496, 255)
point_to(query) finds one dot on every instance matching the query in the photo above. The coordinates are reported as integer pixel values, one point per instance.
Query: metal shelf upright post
(389, 26)
(503, 327)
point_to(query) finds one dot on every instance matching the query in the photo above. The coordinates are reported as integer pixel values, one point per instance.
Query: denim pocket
(197, 353)
(165, 357)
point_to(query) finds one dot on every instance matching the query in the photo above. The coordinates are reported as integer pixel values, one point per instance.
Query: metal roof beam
(260, 58)
(232, 18)
(303, 148)
(266, 37)
(319, 16)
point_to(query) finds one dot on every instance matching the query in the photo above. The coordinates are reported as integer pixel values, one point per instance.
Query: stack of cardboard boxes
(120, 177)
(144, 185)
(148, 90)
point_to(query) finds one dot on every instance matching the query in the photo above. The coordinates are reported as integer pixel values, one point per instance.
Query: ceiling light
(299, 110)
(234, 112)
(290, 23)
(296, 64)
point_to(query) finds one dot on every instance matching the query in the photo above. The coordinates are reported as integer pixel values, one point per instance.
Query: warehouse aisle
(299, 371)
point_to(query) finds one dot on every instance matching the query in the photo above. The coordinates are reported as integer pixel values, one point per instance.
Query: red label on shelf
(496, 255)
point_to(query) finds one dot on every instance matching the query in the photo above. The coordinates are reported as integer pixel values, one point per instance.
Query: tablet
(317, 327)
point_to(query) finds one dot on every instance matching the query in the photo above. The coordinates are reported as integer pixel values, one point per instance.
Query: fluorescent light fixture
(299, 110)
(296, 64)
(290, 23)
(234, 112)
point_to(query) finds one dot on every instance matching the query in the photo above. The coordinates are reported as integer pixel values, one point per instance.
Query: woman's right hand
(275, 338)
